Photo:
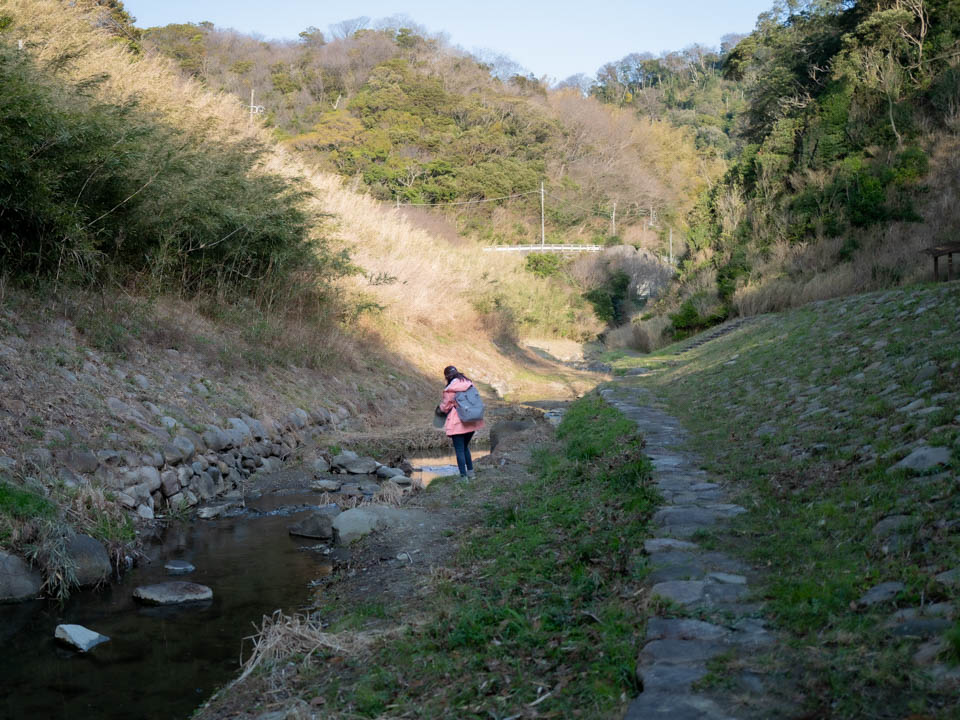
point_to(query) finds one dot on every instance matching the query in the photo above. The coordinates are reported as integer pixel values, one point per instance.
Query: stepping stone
(692, 498)
(178, 567)
(751, 632)
(727, 578)
(701, 487)
(682, 571)
(683, 592)
(327, 485)
(685, 629)
(670, 706)
(685, 515)
(679, 652)
(720, 593)
(675, 557)
(921, 627)
(656, 545)
(172, 593)
(884, 592)
(675, 484)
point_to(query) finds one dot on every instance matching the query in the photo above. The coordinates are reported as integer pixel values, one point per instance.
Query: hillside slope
(838, 426)
(159, 333)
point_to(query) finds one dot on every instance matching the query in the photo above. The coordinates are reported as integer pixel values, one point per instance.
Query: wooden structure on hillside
(938, 251)
(543, 248)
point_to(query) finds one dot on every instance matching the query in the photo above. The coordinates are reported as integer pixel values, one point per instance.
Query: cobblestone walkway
(712, 586)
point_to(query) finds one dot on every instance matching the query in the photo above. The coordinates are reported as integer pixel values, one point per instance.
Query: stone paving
(672, 666)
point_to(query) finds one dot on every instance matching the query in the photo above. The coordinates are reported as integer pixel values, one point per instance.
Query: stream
(163, 662)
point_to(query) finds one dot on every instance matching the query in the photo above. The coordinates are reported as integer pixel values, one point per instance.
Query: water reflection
(160, 663)
(429, 466)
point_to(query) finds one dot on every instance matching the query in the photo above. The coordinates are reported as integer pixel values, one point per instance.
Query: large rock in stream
(352, 463)
(18, 581)
(317, 525)
(172, 593)
(91, 560)
(352, 525)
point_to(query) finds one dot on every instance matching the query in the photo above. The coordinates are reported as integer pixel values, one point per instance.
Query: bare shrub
(648, 335)
(389, 494)
(619, 337)
(643, 335)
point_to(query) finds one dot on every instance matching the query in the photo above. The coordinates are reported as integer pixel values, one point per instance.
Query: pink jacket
(453, 425)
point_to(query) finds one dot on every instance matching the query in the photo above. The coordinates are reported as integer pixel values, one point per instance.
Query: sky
(553, 39)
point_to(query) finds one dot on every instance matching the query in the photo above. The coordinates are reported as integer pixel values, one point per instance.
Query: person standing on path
(459, 432)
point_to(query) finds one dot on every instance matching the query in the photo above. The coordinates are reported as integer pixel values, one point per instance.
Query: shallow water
(161, 663)
(429, 466)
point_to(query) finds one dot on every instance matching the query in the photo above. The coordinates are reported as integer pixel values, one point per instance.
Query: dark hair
(450, 373)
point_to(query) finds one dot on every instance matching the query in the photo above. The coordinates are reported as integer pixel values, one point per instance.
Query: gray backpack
(469, 405)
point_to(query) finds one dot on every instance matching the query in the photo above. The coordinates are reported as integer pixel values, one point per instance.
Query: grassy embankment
(804, 414)
(537, 610)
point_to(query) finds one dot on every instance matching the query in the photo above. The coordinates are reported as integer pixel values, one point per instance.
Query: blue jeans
(461, 446)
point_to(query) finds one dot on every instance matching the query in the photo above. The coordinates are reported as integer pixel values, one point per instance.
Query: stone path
(712, 586)
(718, 331)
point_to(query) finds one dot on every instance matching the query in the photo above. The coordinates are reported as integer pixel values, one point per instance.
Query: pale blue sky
(556, 39)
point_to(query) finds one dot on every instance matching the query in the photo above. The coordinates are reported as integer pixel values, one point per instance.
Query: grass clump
(538, 611)
(23, 504)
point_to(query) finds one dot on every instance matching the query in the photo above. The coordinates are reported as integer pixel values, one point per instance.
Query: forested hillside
(839, 124)
(420, 123)
(811, 158)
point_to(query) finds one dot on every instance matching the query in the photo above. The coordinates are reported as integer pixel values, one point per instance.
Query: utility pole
(251, 106)
(613, 220)
(543, 235)
(671, 246)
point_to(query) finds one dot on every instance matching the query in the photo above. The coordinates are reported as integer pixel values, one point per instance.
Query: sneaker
(463, 478)
(471, 474)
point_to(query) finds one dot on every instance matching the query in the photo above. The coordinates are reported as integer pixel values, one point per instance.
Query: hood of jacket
(458, 385)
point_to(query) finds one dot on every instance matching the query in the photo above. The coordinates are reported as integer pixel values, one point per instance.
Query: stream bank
(161, 662)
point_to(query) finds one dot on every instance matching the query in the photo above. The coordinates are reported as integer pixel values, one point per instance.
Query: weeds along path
(707, 653)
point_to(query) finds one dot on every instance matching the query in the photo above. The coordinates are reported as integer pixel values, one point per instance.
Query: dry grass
(397, 440)
(427, 287)
(281, 636)
(389, 494)
(643, 335)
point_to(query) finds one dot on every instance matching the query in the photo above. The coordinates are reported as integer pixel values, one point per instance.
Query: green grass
(23, 504)
(540, 601)
(799, 414)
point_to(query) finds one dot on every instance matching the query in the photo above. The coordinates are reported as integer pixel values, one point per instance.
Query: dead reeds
(281, 636)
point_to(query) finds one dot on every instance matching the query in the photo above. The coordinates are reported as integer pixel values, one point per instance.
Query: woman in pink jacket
(458, 431)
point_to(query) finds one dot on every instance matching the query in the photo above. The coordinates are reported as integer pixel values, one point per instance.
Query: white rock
(79, 637)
